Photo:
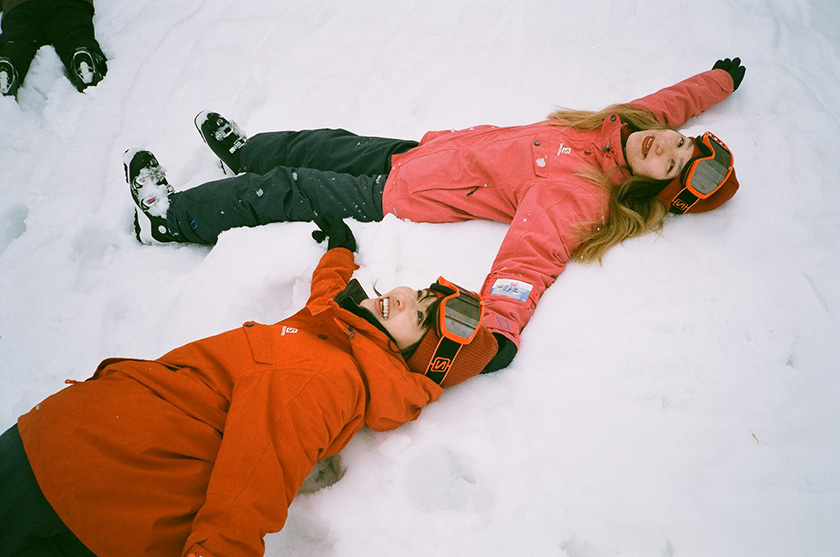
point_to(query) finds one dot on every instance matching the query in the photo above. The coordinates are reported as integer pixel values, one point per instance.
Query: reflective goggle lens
(460, 312)
(705, 175)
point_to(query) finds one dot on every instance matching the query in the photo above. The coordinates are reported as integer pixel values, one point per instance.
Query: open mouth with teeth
(646, 145)
(385, 307)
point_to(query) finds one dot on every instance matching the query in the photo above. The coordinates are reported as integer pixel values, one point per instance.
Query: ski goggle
(459, 317)
(706, 174)
(459, 313)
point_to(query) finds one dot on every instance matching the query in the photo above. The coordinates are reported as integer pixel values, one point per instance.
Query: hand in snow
(339, 234)
(734, 68)
(504, 354)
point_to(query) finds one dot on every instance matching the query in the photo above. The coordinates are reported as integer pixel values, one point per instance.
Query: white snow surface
(680, 400)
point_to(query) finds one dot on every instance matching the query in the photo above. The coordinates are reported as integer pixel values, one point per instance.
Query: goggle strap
(441, 289)
(442, 358)
(683, 201)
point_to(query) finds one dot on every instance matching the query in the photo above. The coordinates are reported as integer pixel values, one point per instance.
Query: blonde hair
(633, 207)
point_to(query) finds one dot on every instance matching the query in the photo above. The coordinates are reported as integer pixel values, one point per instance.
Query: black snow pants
(65, 24)
(290, 176)
(29, 526)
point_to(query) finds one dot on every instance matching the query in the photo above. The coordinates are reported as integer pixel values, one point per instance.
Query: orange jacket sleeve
(279, 424)
(331, 276)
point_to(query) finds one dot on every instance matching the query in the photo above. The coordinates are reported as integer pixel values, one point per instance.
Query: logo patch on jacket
(514, 289)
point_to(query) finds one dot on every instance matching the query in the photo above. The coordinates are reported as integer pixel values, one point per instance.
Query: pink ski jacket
(526, 176)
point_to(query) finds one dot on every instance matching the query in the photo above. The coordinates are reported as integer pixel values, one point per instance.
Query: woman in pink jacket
(571, 186)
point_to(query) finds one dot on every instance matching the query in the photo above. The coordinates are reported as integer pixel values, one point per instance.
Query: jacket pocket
(260, 341)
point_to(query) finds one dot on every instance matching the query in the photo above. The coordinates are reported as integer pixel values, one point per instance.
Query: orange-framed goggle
(459, 313)
(706, 174)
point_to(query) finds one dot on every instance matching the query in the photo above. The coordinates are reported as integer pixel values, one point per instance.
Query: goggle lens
(706, 175)
(462, 316)
(460, 312)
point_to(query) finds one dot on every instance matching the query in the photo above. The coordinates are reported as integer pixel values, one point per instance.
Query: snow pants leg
(324, 149)
(69, 27)
(65, 24)
(28, 524)
(22, 37)
(290, 176)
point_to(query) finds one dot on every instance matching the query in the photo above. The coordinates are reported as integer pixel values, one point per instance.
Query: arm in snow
(677, 104)
(535, 250)
(331, 275)
(278, 426)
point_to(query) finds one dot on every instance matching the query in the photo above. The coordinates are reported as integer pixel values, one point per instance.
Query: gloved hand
(332, 227)
(732, 67)
(504, 355)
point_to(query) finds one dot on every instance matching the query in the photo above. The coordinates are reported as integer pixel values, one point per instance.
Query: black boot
(9, 81)
(87, 67)
(223, 137)
(151, 192)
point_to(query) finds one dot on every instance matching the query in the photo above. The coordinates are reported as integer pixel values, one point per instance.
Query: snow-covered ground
(680, 400)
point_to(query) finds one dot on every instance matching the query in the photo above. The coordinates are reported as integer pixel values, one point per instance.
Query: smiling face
(402, 312)
(658, 154)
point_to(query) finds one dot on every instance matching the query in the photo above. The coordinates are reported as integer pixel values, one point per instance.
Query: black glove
(732, 67)
(332, 227)
(504, 355)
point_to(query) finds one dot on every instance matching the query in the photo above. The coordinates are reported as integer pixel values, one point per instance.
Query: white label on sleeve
(516, 289)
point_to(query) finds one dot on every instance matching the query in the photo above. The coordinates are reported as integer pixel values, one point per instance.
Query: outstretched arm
(677, 104)
(278, 425)
(542, 235)
(337, 265)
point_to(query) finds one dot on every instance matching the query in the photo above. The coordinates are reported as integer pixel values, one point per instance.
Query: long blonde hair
(633, 207)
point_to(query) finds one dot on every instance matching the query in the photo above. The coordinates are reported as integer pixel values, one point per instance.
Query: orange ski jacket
(202, 450)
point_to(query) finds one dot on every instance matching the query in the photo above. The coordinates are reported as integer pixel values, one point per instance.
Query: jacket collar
(350, 298)
(614, 163)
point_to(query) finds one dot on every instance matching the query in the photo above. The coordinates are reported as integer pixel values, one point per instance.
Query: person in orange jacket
(201, 451)
(571, 186)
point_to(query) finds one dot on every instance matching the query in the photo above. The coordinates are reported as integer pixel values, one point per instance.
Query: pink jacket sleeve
(677, 104)
(535, 250)
(542, 234)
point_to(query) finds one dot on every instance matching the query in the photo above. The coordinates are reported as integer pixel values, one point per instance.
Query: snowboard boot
(8, 78)
(151, 192)
(223, 137)
(87, 68)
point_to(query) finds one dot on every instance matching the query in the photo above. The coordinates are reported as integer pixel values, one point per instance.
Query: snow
(680, 400)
